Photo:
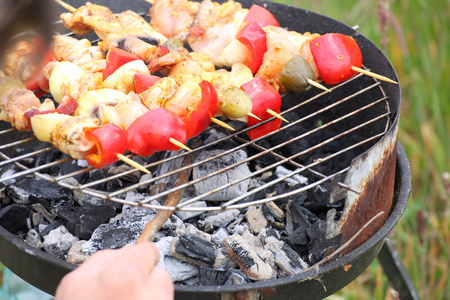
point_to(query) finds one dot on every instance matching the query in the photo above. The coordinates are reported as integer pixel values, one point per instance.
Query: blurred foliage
(415, 36)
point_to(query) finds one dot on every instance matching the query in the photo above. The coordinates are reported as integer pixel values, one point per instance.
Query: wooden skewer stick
(180, 144)
(374, 75)
(214, 120)
(254, 116)
(132, 163)
(155, 224)
(66, 6)
(150, 1)
(276, 115)
(318, 85)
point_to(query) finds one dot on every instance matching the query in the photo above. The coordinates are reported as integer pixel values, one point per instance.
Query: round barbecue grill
(347, 138)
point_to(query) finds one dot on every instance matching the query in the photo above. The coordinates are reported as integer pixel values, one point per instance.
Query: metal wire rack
(359, 108)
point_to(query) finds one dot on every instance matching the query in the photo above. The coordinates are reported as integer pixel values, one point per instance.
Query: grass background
(415, 35)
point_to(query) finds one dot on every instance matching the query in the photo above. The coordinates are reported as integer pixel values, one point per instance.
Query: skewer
(372, 74)
(179, 144)
(214, 120)
(254, 116)
(66, 6)
(132, 163)
(276, 115)
(318, 85)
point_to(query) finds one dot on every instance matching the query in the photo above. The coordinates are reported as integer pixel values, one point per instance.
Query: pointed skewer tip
(374, 75)
(318, 85)
(132, 163)
(254, 116)
(179, 144)
(276, 115)
(221, 123)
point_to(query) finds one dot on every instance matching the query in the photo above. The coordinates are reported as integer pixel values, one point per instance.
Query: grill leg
(396, 272)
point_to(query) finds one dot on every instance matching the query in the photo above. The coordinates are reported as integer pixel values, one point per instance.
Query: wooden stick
(150, 1)
(374, 75)
(66, 6)
(276, 115)
(132, 163)
(318, 85)
(155, 224)
(179, 144)
(254, 116)
(220, 123)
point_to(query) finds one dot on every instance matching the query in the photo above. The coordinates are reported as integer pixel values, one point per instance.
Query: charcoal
(256, 220)
(53, 225)
(186, 215)
(295, 218)
(247, 258)
(58, 242)
(197, 251)
(237, 277)
(34, 239)
(270, 232)
(76, 255)
(222, 219)
(69, 167)
(82, 221)
(14, 218)
(275, 210)
(318, 198)
(218, 236)
(293, 180)
(252, 240)
(298, 240)
(21, 192)
(214, 277)
(224, 178)
(179, 270)
(318, 245)
(191, 229)
(290, 264)
(40, 209)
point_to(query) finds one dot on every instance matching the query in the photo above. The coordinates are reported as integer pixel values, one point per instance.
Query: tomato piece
(67, 106)
(334, 55)
(110, 140)
(263, 96)
(254, 37)
(115, 59)
(261, 16)
(200, 116)
(151, 132)
(143, 82)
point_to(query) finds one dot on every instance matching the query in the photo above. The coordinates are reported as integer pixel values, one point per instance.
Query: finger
(133, 265)
(161, 284)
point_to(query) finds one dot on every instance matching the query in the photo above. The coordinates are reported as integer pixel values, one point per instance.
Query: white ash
(224, 178)
(59, 241)
(191, 229)
(222, 219)
(256, 220)
(34, 239)
(276, 211)
(76, 254)
(179, 270)
(284, 262)
(187, 215)
(296, 179)
(219, 235)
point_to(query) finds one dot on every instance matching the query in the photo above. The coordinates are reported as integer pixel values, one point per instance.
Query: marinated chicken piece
(89, 82)
(96, 66)
(69, 138)
(92, 17)
(159, 93)
(189, 94)
(107, 114)
(130, 21)
(172, 17)
(89, 101)
(281, 46)
(123, 78)
(133, 42)
(13, 105)
(171, 58)
(130, 109)
(80, 52)
(20, 61)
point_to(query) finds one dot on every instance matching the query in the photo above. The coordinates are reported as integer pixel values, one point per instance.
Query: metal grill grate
(358, 108)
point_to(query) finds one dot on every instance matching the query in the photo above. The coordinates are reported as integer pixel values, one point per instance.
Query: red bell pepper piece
(254, 37)
(160, 51)
(263, 96)
(197, 119)
(115, 59)
(143, 82)
(261, 16)
(38, 83)
(151, 132)
(110, 140)
(334, 55)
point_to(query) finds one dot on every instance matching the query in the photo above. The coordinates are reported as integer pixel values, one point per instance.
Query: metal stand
(396, 272)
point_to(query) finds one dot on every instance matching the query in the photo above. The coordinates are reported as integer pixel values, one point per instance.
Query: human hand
(126, 273)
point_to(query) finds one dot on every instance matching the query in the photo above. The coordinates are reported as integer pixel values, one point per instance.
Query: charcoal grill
(359, 118)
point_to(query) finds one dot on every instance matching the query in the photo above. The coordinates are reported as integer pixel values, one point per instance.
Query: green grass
(416, 39)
